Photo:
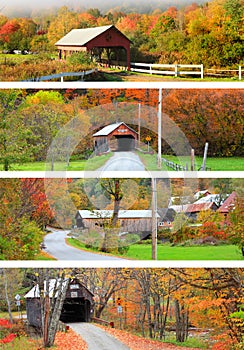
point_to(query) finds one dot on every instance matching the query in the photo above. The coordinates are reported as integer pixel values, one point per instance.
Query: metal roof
(80, 37)
(110, 128)
(208, 199)
(123, 214)
(229, 204)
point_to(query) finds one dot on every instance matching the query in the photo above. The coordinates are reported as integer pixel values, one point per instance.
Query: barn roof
(110, 128)
(209, 198)
(197, 207)
(123, 214)
(229, 204)
(80, 37)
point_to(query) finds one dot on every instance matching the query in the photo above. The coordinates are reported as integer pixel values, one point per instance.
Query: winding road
(56, 247)
(96, 338)
(123, 161)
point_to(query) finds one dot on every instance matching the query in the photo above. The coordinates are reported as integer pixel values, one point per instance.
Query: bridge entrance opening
(125, 143)
(76, 310)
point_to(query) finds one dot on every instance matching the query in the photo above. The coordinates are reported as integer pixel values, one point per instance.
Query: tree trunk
(7, 297)
(181, 316)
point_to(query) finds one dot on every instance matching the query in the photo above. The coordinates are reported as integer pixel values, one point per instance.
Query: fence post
(201, 71)
(62, 78)
(176, 70)
(240, 72)
(150, 69)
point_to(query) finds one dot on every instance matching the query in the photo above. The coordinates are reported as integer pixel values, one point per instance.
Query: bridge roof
(123, 214)
(110, 128)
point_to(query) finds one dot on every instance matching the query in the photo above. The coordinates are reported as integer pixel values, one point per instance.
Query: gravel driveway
(96, 338)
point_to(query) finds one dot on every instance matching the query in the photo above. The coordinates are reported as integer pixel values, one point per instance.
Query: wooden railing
(102, 322)
(62, 75)
(185, 69)
(174, 166)
(168, 69)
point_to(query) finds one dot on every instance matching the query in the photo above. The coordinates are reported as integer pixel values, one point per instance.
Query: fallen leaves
(138, 343)
(69, 340)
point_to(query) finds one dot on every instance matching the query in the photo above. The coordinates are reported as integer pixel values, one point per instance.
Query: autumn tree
(14, 135)
(52, 287)
(20, 235)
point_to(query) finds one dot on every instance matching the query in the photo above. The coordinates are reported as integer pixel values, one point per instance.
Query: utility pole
(154, 219)
(159, 128)
(139, 124)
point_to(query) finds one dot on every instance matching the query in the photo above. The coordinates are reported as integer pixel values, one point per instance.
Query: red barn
(96, 40)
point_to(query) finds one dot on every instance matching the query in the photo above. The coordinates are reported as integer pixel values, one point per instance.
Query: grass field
(150, 162)
(214, 164)
(75, 165)
(167, 252)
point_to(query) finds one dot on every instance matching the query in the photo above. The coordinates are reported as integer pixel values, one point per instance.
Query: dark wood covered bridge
(78, 304)
(96, 40)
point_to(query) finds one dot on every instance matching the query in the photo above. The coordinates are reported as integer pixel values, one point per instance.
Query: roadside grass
(193, 342)
(75, 165)
(213, 163)
(43, 256)
(168, 252)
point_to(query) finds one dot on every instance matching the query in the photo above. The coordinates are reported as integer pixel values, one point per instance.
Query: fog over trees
(29, 8)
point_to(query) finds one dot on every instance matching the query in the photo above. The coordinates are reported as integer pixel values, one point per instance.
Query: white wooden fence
(185, 69)
(168, 69)
(62, 75)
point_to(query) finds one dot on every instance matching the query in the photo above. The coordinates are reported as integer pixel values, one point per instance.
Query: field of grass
(168, 252)
(213, 163)
(75, 165)
(150, 162)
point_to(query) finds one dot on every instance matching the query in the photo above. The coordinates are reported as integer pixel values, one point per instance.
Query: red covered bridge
(115, 137)
(96, 40)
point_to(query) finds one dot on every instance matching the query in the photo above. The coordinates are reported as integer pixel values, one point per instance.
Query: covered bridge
(131, 221)
(78, 303)
(115, 137)
(96, 40)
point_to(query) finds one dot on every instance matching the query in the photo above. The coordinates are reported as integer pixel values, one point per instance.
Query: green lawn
(75, 165)
(214, 164)
(150, 162)
(167, 252)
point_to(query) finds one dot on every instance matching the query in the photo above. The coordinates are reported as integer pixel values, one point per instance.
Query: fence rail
(185, 69)
(168, 69)
(174, 166)
(62, 75)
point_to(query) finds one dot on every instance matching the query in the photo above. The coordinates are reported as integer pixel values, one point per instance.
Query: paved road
(123, 161)
(96, 338)
(57, 247)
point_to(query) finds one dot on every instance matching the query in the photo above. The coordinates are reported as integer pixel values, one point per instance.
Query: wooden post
(160, 129)
(192, 159)
(176, 70)
(201, 71)
(154, 219)
(139, 124)
(203, 167)
(240, 73)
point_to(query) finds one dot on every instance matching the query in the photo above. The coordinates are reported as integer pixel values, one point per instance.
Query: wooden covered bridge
(115, 137)
(96, 40)
(78, 304)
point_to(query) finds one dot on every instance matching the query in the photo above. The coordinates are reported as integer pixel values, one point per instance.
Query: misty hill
(28, 8)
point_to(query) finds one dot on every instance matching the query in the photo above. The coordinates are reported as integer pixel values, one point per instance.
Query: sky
(9, 6)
